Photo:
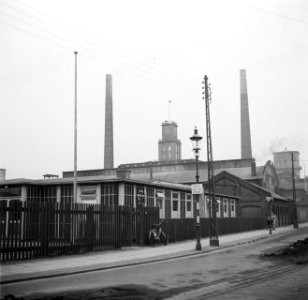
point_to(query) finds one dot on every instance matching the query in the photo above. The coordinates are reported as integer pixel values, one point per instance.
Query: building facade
(255, 200)
(283, 164)
(175, 201)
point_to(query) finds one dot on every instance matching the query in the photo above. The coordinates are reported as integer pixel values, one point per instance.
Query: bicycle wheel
(163, 239)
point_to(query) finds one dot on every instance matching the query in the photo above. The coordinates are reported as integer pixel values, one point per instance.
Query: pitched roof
(249, 185)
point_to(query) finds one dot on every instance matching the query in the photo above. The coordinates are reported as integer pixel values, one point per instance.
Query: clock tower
(169, 147)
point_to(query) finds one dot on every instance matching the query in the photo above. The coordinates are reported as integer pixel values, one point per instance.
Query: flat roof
(98, 179)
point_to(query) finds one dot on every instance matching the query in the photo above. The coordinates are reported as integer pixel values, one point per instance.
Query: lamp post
(195, 139)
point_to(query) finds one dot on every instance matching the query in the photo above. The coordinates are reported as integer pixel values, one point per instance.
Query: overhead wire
(278, 14)
(124, 52)
(172, 84)
(186, 75)
(164, 83)
(147, 75)
(97, 59)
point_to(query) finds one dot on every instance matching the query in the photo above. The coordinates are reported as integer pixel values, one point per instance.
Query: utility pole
(75, 133)
(295, 221)
(211, 185)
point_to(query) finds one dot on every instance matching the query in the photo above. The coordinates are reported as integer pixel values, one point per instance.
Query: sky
(157, 51)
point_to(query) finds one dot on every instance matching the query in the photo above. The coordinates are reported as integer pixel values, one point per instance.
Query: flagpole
(75, 133)
(169, 110)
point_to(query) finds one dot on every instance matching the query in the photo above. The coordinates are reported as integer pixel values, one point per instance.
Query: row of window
(181, 203)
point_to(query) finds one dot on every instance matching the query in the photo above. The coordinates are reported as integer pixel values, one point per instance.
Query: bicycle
(157, 235)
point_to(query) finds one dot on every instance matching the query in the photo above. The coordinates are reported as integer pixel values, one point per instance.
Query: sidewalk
(74, 264)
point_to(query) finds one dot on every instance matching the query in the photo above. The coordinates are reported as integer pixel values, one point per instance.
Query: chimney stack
(108, 155)
(245, 124)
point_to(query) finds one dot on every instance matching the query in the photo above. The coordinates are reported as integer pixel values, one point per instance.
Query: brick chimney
(245, 124)
(108, 155)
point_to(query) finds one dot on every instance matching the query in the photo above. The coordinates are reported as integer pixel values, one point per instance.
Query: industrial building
(169, 176)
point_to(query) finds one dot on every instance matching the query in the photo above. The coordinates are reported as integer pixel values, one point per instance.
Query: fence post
(141, 226)
(89, 226)
(44, 224)
(117, 227)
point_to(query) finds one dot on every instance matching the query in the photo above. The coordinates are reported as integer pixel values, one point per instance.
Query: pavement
(74, 264)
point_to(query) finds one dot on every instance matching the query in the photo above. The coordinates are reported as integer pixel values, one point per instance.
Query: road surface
(239, 272)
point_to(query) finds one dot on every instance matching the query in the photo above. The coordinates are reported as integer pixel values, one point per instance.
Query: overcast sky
(156, 51)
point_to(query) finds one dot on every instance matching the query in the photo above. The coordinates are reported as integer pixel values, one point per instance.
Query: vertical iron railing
(30, 230)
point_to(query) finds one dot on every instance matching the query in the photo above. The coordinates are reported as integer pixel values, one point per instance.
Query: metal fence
(185, 229)
(30, 230)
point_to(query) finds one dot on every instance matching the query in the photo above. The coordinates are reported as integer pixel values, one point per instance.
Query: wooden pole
(75, 133)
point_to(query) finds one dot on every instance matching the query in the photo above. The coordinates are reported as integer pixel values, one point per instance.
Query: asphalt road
(239, 272)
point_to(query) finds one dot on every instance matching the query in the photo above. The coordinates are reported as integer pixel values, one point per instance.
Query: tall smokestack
(108, 155)
(245, 125)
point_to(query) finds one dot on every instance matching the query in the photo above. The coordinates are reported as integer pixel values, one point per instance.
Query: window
(159, 203)
(47, 194)
(175, 205)
(218, 215)
(188, 206)
(159, 199)
(140, 197)
(67, 194)
(10, 191)
(150, 196)
(188, 202)
(129, 195)
(160, 195)
(232, 205)
(175, 195)
(233, 213)
(109, 194)
(226, 207)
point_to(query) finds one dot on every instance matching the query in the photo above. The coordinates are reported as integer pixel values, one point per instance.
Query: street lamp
(195, 139)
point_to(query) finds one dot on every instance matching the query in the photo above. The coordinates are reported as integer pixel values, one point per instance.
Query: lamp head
(195, 139)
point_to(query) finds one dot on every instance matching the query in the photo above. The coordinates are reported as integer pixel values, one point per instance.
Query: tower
(245, 124)
(108, 154)
(169, 147)
(283, 164)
